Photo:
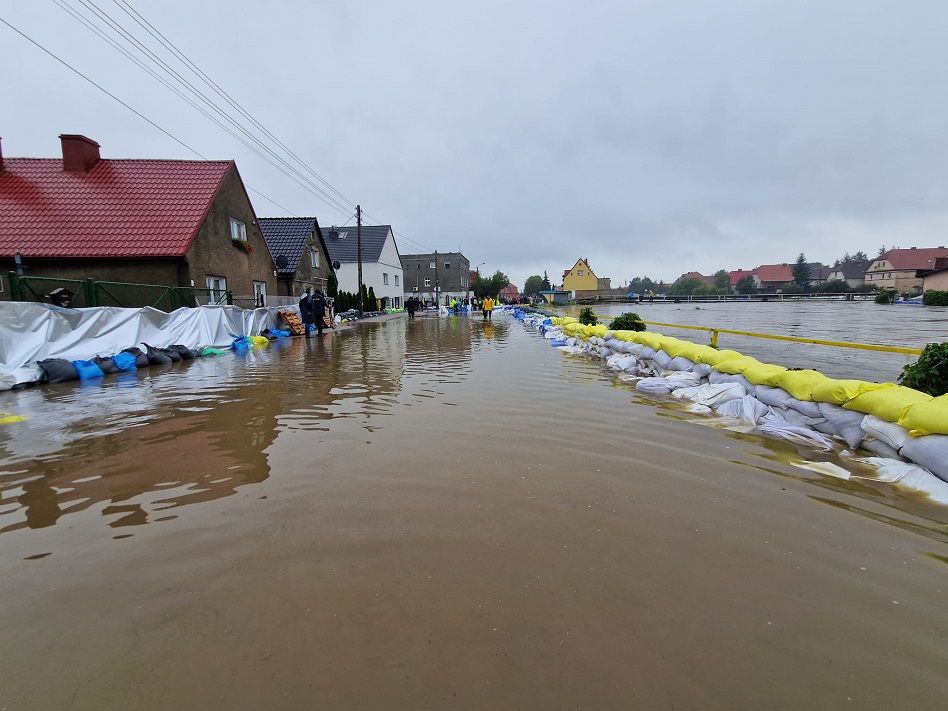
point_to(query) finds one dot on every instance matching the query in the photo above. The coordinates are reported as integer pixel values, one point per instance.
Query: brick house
(898, 268)
(298, 241)
(168, 222)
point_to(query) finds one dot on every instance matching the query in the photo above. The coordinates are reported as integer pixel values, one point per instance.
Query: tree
(372, 302)
(882, 250)
(722, 280)
(498, 282)
(546, 286)
(801, 272)
(833, 286)
(685, 287)
(533, 285)
(746, 285)
(860, 257)
(332, 285)
(640, 285)
(484, 287)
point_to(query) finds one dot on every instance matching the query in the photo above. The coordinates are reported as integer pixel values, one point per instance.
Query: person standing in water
(306, 310)
(488, 306)
(319, 311)
(410, 307)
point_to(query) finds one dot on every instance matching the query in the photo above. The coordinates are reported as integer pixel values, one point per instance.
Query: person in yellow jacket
(488, 306)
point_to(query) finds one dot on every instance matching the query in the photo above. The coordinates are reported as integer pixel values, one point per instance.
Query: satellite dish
(336, 264)
(282, 262)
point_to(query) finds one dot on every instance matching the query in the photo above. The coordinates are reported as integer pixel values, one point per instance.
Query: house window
(447, 265)
(238, 230)
(216, 289)
(398, 302)
(427, 281)
(396, 280)
(314, 259)
(385, 278)
(260, 293)
(432, 265)
(579, 272)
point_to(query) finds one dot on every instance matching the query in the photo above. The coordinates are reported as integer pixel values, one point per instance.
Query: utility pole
(359, 254)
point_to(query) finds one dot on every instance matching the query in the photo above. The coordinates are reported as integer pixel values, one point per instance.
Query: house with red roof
(510, 294)
(168, 222)
(774, 277)
(738, 274)
(899, 268)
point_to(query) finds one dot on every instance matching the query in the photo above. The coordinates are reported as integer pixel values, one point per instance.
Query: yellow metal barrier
(793, 339)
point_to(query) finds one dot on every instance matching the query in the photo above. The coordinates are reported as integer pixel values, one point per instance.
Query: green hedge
(933, 297)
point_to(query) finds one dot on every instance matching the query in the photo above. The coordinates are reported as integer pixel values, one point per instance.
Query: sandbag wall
(897, 424)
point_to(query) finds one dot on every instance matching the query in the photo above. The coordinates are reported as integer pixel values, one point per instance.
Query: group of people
(313, 311)
(412, 304)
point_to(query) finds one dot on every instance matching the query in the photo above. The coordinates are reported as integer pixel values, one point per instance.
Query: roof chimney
(80, 154)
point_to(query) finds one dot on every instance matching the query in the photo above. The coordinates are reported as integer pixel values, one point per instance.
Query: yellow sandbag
(652, 340)
(735, 365)
(676, 347)
(888, 404)
(600, 330)
(623, 335)
(799, 383)
(928, 417)
(259, 340)
(839, 392)
(712, 356)
(7, 419)
(764, 373)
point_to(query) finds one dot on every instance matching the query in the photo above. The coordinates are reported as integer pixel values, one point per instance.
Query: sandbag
(185, 352)
(124, 361)
(141, 360)
(711, 395)
(57, 370)
(661, 359)
(105, 363)
(774, 397)
(748, 408)
(810, 409)
(682, 379)
(795, 417)
(87, 370)
(764, 374)
(155, 356)
(799, 383)
(646, 353)
(680, 363)
(736, 365)
(712, 356)
(889, 403)
(880, 448)
(839, 392)
(776, 425)
(653, 386)
(929, 417)
(930, 451)
(702, 370)
(212, 352)
(171, 353)
(845, 424)
(888, 432)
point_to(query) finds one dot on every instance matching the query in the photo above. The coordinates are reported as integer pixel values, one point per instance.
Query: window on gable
(579, 272)
(238, 230)
(314, 258)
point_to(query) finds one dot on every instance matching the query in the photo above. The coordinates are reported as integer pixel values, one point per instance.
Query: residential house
(898, 268)
(381, 264)
(706, 280)
(299, 253)
(852, 272)
(167, 222)
(580, 277)
(437, 277)
(738, 274)
(819, 273)
(510, 294)
(773, 278)
(937, 277)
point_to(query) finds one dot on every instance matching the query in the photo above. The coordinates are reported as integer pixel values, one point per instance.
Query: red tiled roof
(739, 274)
(774, 272)
(923, 258)
(510, 289)
(119, 208)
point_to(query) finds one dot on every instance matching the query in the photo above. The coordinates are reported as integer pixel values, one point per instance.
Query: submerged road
(443, 514)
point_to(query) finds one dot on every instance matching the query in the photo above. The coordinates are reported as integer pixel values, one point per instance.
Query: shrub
(930, 372)
(934, 297)
(886, 296)
(587, 317)
(629, 321)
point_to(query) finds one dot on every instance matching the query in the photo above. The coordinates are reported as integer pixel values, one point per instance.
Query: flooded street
(445, 513)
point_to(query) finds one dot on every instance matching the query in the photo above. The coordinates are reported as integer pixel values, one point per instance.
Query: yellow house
(580, 278)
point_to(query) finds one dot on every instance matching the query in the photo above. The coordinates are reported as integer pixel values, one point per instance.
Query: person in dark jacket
(319, 311)
(306, 310)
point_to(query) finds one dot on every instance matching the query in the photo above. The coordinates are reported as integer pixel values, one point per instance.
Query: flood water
(448, 514)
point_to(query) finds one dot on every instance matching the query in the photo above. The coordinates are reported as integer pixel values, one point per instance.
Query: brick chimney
(80, 154)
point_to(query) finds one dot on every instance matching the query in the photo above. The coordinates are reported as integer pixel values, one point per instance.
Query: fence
(79, 293)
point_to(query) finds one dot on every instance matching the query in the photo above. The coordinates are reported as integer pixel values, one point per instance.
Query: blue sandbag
(557, 342)
(87, 369)
(241, 343)
(124, 361)
(280, 333)
(547, 322)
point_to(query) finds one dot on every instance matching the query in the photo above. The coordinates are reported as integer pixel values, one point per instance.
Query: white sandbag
(7, 380)
(621, 362)
(845, 424)
(748, 408)
(908, 476)
(605, 351)
(795, 417)
(711, 395)
(680, 363)
(571, 350)
(634, 348)
(774, 424)
(645, 353)
(716, 378)
(775, 397)
(653, 386)
(661, 359)
(702, 370)
(892, 434)
(929, 451)
(617, 346)
(882, 449)
(683, 379)
(810, 409)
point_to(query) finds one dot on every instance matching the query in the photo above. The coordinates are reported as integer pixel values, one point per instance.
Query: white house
(381, 264)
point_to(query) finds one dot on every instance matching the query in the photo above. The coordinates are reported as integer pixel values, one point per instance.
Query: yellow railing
(793, 339)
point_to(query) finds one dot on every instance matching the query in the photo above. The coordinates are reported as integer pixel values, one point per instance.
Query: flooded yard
(445, 513)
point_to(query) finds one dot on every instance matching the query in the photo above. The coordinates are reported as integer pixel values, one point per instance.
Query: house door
(260, 293)
(216, 290)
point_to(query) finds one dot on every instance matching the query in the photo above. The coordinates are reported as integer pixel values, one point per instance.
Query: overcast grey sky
(651, 137)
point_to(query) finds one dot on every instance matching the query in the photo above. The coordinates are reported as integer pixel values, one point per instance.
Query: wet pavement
(443, 514)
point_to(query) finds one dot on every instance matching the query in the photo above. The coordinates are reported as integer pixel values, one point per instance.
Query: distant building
(510, 293)
(937, 277)
(437, 277)
(299, 252)
(698, 276)
(898, 268)
(580, 277)
(853, 273)
(381, 265)
(773, 277)
(738, 274)
(186, 223)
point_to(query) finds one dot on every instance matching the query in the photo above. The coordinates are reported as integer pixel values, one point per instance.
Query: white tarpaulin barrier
(32, 332)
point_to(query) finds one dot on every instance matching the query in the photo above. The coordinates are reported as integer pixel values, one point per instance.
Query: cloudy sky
(651, 137)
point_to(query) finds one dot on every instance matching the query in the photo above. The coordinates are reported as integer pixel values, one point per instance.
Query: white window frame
(396, 280)
(432, 265)
(385, 278)
(260, 293)
(427, 281)
(216, 288)
(238, 230)
(314, 258)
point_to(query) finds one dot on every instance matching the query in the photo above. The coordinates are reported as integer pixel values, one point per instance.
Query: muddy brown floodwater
(443, 514)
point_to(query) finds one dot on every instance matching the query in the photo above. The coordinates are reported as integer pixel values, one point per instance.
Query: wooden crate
(292, 320)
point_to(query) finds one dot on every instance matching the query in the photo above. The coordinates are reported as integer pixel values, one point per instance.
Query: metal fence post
(91, 293)
(15, 287)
